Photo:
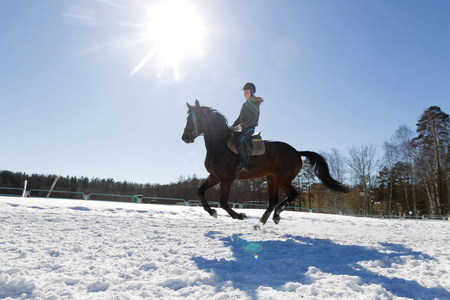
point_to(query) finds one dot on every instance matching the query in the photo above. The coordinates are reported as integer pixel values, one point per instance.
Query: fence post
(53, 185)
(25, 189)
(137, 198)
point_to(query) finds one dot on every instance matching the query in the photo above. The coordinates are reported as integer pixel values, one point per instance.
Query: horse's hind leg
(292, 194)
(209, 183)
(272, 191)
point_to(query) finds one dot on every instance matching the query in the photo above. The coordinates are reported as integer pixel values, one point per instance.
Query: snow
(75, 249)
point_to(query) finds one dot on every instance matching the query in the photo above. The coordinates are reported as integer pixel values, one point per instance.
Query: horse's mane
(218, 116)
(215, 116)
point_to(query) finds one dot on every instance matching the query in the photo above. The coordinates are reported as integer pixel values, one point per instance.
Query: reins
(212, 133)
(197, 134)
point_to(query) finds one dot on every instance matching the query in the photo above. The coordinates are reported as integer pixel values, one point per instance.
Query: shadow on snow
(283, 261)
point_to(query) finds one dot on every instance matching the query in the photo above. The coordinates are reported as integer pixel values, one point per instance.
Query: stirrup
(240, 169)
(243, 167)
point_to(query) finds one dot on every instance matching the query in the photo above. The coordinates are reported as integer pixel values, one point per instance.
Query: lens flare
(176, 33)
(253, 248)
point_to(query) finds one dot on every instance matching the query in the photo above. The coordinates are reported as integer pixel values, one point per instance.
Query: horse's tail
(321, 170)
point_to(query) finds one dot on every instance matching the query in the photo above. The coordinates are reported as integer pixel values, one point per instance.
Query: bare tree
(404, 146)
(390, 158)
(305, 178)
(338, 169)
(364, 164)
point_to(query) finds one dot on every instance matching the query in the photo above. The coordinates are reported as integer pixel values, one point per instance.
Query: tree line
(411, 173)
(184, 188)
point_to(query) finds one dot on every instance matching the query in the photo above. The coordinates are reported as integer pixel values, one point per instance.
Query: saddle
(259, 147)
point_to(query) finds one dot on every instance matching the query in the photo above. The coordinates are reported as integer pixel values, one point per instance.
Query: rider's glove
(237, 128)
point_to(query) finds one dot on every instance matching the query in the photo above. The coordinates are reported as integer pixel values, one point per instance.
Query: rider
(245, 124)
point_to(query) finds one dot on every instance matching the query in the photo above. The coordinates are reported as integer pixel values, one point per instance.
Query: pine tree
(433, 142)
(387, 174)
(384, 189)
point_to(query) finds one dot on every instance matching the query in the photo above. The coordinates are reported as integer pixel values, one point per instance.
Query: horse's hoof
(243, 216)
(213, 213)
(276, 219)
(259, 226)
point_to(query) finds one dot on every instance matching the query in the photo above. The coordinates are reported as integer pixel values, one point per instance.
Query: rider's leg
(244, 156)
(243, 146)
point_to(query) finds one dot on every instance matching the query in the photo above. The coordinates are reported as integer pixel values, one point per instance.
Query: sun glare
(176, 33)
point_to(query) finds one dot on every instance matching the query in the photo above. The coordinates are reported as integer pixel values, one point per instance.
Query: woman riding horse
(280, 164)
(245, 124)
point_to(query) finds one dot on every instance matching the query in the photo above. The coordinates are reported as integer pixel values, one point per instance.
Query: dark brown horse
(280, 164)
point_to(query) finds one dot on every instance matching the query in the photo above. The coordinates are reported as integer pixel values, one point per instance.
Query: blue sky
(333, 74)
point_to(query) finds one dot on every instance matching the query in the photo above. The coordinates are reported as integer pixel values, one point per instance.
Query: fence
(158, 200)
(326, 210)
(60, 194)
(295, 208)
(109, 197)
(37, 193)
(433, 217)
(199, 203)
(403, 217)
(11, 190)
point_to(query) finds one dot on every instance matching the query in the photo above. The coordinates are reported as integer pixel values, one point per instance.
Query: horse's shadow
(294, 258)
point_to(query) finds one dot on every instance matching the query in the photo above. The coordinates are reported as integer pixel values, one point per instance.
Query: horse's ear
(189, 106)
(197, 104)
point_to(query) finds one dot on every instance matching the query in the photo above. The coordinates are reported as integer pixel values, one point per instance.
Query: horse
(280, 164)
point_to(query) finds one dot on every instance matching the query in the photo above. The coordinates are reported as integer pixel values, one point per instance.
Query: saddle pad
(259, 147)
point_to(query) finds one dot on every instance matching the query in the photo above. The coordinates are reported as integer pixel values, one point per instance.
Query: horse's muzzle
(188, 137)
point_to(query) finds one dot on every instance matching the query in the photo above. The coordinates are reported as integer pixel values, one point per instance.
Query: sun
(175, 32)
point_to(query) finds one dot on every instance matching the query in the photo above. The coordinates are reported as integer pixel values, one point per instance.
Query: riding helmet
(249, 86)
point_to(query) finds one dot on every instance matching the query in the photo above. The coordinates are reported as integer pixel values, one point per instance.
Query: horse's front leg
(225, 188)
(209, 183)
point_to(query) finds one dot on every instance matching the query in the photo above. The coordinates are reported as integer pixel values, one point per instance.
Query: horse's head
(197, 122)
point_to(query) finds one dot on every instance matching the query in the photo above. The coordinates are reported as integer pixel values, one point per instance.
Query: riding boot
(244, 157)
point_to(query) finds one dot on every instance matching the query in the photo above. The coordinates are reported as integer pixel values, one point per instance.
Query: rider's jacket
(249, 112)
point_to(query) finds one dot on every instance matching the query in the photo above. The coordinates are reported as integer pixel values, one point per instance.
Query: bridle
(194, 132)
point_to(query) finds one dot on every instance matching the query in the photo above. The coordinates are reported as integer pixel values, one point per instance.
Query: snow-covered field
(70, 249)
